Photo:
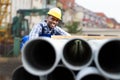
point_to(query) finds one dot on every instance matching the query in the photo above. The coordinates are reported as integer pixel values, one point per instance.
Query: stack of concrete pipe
(69, 59)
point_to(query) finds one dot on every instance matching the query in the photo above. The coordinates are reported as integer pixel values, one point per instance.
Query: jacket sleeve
(60, 31)
(36, 30)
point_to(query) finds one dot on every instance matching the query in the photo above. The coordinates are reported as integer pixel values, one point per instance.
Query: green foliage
(73, 27)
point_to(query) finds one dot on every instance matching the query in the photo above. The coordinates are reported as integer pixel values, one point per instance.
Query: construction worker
(49, 26)
(46, 28)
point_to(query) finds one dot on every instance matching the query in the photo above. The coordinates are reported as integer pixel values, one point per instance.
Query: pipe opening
(61, 73)
(22, 74)
(93, 77)
(109, 57)
(40, 54)
(77, 52)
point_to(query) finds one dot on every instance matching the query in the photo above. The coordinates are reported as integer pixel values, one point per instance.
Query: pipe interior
(109, 57)
(61, 73)
(40, 54)
(93, 77)
(22, 74)
(77, 52)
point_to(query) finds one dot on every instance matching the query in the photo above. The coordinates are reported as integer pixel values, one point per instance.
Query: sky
(109, 7)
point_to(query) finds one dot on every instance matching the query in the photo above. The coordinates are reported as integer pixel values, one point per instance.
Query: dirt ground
(7, 66)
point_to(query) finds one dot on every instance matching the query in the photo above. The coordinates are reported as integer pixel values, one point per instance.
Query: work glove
(24, 40)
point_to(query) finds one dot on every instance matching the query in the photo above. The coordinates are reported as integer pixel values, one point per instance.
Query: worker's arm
(60, 31)
(36, 30)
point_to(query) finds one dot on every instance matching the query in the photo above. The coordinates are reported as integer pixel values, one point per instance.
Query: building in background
(72, 12)
(32, 4)
(65, 4)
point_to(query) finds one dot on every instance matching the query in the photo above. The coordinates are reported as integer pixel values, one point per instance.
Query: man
(46, 28)
(49, 26)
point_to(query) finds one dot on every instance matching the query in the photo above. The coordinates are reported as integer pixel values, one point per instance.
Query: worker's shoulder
(42, 23)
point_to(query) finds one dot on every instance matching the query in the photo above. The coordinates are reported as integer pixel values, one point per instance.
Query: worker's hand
(23, 41)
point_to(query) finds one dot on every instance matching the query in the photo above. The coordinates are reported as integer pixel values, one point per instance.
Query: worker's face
(52, 21)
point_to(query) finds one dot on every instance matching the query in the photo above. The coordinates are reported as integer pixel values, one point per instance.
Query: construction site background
(17, 17)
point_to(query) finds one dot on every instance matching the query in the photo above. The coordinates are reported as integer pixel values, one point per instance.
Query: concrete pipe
(21, 74)
(40, 56)
(107, 58)
(90, 73)
(61, 73)
(77, 54)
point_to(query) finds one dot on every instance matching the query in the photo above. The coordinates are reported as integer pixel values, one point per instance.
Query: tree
(73, 27)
